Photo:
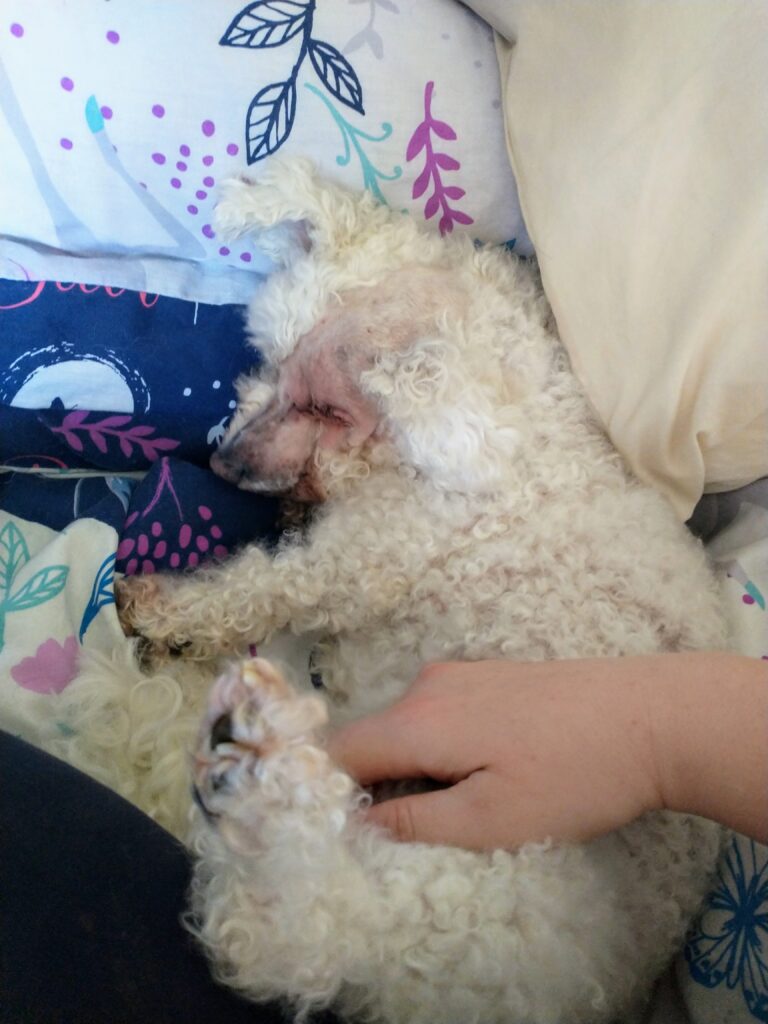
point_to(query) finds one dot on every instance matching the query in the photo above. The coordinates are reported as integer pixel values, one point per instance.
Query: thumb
(447, 817)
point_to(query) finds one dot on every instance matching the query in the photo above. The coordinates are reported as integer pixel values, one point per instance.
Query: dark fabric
(91, 893)
(112, 379)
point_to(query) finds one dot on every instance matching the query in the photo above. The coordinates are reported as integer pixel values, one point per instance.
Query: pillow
(117, 122)
(639, 138)
(105, 378)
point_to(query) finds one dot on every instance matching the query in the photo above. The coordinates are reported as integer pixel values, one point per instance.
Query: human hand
(530, 751)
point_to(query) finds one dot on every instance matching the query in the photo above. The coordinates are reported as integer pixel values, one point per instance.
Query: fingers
(382, 746)
(449, 817)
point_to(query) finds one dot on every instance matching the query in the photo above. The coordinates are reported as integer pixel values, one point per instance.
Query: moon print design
(97, 381)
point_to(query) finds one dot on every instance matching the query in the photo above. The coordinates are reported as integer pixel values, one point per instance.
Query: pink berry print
(175, 183)
(158, 110)
(208, 128)
(67, 83)
(233, 149)
(208, 231)
(106, 113)
(159, 158)
(17, 30)
(208, 160)
(65, 143)
(113, 37)
(245, 257)
(180, 165)
(224, 251)
(208, 181)
(185, 150)
(125, 547)
(194, 539)
(192, 209)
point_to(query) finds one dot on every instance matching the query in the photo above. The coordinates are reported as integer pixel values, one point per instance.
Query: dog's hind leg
(277, 899)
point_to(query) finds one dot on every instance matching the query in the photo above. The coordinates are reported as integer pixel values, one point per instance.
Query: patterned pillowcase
(109, 379)
(117, 123)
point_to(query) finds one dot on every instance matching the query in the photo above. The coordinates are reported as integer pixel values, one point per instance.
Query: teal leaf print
(40, 588)
(13, 555)
(44, 585)
(351, 137)
(102, 593)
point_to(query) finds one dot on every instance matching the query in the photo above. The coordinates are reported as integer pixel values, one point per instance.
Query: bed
(121, 328)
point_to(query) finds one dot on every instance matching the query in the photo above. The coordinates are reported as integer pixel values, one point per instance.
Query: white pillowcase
(638, 133)
(117, 121)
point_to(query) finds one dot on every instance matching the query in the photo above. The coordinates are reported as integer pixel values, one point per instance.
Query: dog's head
(390, 347)
(386, 374)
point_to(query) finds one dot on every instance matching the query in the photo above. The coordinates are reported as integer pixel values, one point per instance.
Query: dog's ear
(445, 424)
(291, 211)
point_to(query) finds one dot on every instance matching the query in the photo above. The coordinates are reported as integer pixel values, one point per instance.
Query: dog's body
(469, 507)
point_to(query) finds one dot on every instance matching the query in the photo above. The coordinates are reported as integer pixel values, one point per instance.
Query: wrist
(708, 714)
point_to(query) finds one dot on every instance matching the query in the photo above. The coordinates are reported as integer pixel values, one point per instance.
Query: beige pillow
(638, 132)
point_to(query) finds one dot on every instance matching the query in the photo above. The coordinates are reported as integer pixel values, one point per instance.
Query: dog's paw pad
(257, 741)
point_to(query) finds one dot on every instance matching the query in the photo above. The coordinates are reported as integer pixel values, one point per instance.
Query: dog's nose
(228, 466)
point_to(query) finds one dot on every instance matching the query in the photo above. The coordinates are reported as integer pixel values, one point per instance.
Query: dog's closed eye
(331, 413)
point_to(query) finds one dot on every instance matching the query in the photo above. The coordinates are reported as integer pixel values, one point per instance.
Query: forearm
(710, 734)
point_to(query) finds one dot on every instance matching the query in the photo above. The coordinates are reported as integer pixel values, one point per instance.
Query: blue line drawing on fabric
(102, 593)
(271, 23)
(729, 944)
(121, 488)
(42, 587)
(186, 242)
(368, 35)
(351, 137)
(70, 231)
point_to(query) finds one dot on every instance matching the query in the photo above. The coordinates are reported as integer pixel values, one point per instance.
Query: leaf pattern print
(272, 111)
(102, 593)
(42, 587)
(266, 23)
(436, 161)
(97, 432)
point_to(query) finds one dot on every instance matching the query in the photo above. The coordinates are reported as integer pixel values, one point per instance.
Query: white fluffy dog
(467, 506)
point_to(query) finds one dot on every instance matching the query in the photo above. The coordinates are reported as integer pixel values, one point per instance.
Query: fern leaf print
(435, 163)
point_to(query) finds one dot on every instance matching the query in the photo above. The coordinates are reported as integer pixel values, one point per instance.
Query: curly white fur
(485, 516)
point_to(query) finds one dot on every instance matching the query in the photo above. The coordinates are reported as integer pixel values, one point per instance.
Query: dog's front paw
(259, 766)
(146, 610)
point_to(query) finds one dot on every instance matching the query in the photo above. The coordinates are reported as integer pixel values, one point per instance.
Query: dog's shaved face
(312, 402)
(314, 405)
